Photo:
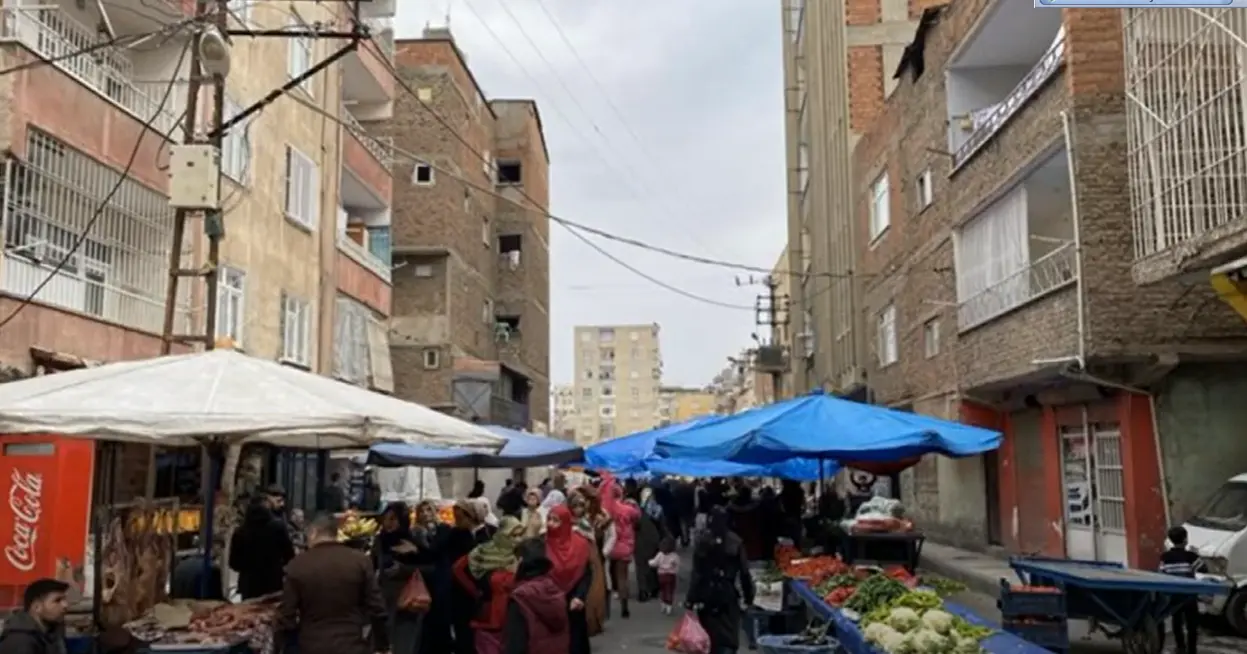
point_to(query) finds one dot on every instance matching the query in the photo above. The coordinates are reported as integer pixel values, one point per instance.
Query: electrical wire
(623, 175)
(115, 42)
(565, 222)
(108, 198)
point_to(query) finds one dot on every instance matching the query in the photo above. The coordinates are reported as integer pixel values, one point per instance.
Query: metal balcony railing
(119, 273)
(364, 257)
(508, 413)
(1044, 275)
(993, 119)
(54, 35)
(382, 31)
(381, 148)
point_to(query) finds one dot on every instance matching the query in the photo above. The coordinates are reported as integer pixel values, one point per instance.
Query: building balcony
(363, 235)
(508, 413)
(1019, 249)
(119, 273)
(368, 79)
(368, 158)
(997, 71)
(119, 90)
(1187, 149)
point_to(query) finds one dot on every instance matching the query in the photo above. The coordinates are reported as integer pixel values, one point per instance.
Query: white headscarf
(485, 511)
(553, 499)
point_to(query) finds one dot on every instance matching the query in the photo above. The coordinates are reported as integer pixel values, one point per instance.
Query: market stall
(889, 611)
(519, 450)
(216, 400)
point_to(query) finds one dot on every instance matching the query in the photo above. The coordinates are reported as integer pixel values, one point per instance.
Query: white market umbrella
(185, 400)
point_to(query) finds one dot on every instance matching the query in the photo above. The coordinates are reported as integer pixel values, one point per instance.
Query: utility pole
(771, 310)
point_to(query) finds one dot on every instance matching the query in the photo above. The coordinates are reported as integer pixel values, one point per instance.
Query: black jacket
(259, 551)
(24, 635)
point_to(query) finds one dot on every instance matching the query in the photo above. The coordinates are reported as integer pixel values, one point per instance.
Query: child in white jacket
(667, 562)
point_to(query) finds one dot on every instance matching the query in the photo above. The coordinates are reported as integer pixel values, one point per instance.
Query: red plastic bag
(688, 637)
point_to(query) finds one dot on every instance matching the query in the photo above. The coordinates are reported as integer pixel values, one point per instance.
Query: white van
(1218, 533)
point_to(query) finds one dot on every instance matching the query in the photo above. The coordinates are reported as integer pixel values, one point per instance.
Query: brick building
(292, 287)
(470, 331)
(995, 243)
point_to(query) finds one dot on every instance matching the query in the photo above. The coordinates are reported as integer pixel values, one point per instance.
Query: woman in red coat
(537, 615)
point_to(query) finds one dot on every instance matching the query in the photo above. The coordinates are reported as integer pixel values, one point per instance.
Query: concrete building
(838, 61)
(739, 386)
(783, 335)
(618, 380)
(290, 284)
(563, 411)
(996, 246)
(678, 404)
(471, 326)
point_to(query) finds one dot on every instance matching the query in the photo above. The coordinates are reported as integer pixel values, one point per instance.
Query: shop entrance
(1094, 488)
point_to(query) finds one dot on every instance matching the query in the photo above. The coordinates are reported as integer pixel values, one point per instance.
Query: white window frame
(296, 341)
(302, 201)
(880, 206)
(926, 193)
(432, 359)
(415, 175)
(885, 330)
(300, 53)
(231, 304)
(931, 337)
(236, 146)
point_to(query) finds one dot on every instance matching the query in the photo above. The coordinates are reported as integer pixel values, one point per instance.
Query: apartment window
(423, 270)
(422, 175)
(607, 411)
(926, 194)
(588, 374)
(432, 359)
(509, 172)
(300, 56)
(296, 342)
(606, 335)
(931, 338)
(635, 353)
(635, 336)
(635, 374)
(587, 393)
(487, 312)
(230, 302)
(585, 337)
(636, 393)
(510, 247)
(302, 188)
(236, 146)
(885, 329)
(608, 391)
(880, 209)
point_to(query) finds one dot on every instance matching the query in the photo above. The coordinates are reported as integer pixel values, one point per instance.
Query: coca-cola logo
(26, 504)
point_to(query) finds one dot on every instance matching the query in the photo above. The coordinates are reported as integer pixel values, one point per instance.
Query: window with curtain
(992, 251)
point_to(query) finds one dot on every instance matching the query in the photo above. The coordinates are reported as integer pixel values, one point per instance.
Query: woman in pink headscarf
(625, 514)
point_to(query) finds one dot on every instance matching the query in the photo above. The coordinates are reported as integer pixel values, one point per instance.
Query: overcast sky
(692, 160)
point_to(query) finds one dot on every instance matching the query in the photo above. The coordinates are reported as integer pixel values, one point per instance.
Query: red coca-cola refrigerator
(43, 523)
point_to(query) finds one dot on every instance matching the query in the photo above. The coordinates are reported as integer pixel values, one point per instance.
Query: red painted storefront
(1032, 502)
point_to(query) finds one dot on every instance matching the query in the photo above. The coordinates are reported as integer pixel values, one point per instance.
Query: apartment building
(783, 334)
(618, 380)
(995, 240)
(740, 386)
(563, 412)
(471, 326)
(71, 126)
(839, 58)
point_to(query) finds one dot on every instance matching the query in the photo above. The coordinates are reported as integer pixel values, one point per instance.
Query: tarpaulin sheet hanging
(521, 450)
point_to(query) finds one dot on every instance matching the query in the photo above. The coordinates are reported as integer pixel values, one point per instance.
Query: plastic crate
(760, 622)
(1052, 635)
(1013, 604)
(782, 644)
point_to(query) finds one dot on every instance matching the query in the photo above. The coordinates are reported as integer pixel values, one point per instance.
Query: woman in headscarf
(259, 550)
(537, 615)
(625, 514)
(570, 553)
(649, 533)
(747, 523)
(720, 586)
(461, 539)
(396, 557)
(486, 574)
(533, 515)
(436, 635)
(596, 601)
(487, 522)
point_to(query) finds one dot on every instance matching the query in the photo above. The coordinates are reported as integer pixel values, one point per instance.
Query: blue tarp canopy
(821, 425)
(634, 455)
(522, 450)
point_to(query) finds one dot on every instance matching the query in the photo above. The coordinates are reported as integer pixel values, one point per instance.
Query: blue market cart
(1121, 602)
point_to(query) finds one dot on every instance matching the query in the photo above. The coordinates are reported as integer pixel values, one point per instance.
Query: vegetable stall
(874, 610)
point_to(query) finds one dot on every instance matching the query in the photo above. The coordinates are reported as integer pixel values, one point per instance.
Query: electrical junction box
(195, 177)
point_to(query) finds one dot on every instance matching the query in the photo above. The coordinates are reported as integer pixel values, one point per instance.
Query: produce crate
(782, 644)
(1016, 604)
(760, 622)
(1051, 635)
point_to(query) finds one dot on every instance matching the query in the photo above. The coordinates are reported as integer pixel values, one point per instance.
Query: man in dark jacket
(330, 595)
(38, 628)
(259, 549)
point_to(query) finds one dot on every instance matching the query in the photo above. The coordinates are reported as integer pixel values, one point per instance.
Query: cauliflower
(938, 621)
(926, 641)
(903, 619)
(896, 643)
(966, 645)
(875, 632)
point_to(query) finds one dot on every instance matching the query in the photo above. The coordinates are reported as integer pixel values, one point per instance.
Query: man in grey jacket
(39, 627)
